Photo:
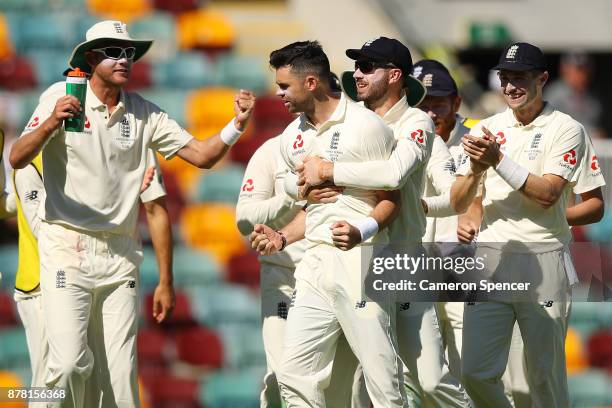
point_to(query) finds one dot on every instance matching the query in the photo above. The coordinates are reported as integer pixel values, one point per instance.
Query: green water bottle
(76, 85)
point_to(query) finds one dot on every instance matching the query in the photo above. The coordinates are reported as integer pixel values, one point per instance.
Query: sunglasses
(117, 53)
(367, 67)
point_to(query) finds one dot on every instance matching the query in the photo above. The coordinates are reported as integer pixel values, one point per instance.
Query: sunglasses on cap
(117, 53)
(367, 67)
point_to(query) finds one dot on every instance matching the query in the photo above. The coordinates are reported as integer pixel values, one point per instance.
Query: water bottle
(76, 85)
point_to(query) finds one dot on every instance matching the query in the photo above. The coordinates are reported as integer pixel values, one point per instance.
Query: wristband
(290, 185)
(368, 227)
(230, 134)
(512, 173)
(283, 239)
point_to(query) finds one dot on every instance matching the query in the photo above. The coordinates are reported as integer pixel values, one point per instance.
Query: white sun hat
(101, 34)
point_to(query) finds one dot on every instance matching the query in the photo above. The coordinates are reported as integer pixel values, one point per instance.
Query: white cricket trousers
(450, 316)
(89, 282)
(488, 328)
(277, 284)
(29, 307)
(422, 351)
(327, 302)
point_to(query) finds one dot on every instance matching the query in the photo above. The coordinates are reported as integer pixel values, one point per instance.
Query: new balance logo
(428, 80)
(60, 279)
(450, 166)
(130, 284)
(547, 303)
(512, 52)
(334, 140)
(404, 306)
(360, 305)
(31, 195)
(283, 310)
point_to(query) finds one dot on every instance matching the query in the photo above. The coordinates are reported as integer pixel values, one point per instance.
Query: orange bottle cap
(77, 73)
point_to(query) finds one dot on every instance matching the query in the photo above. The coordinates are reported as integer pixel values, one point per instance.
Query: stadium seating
(13, 348)
(221, 186)
(6, 45)
(210, 108)
(176, 6)
(243, 72)
(200, 347)
(47, 31)
(169, 391)
(48, 65)
(212, 227)
(8, 311)
(575, 355)
(10, 379)
(590, 389)
(188, 71)
(161, 27)
(231, 389)
(244, 270)
(140, 76)
(123, 10)
(171, 100)
(599, 348)
(224, 304)
(204, 29)
(17, 73)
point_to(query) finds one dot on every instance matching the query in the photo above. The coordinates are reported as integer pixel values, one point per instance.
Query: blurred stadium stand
(210, 354)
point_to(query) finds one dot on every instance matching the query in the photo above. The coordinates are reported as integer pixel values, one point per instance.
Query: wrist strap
(283, 239)
(512, 173)
(230, 134)
(368, 227)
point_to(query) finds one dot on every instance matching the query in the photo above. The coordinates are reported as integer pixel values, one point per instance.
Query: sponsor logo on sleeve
(570, 157)
(248, 186)
(299, 142)
(595, 169)
(418, 136)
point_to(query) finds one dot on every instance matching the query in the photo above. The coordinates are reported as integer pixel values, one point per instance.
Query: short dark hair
(305, 57)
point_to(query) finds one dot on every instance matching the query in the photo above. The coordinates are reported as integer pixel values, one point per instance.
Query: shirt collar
(336, 117)
(396, 111)
(97, 104)
(455, 133)
(540, 121)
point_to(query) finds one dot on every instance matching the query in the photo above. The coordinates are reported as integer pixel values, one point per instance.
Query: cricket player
(442, 104)
(524, 157)
(88, 255)
(263, 200)
(588, 182)
(382, 79)
(327, 301)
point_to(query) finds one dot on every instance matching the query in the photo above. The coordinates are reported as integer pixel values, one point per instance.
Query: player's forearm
(25, 149)
(387, 209)
(251, 212)
(204, 153)
(542, 189)
(381, 174)
(589, 211)
(464, 191)
(296, 229)
(161, 236)
(439, 206)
